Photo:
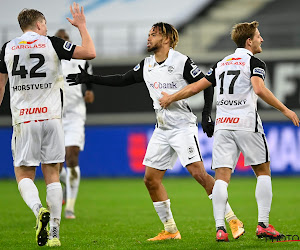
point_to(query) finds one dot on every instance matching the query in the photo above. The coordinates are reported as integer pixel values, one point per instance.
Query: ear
(249, 42)
(166, 40)
(38, 25)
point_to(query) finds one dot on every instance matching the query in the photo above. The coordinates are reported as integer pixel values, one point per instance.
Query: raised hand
(77, 14)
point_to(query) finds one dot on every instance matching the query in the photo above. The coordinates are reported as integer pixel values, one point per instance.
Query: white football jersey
(176, 72)
(32, 63)
(74, 102)
(236, 99)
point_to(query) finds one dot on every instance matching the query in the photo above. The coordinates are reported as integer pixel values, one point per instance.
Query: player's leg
(28, 190)
(63, 180)
(224, 159)
(160, 156)
(187, 147)
(72, 180)
(26, 143)
(263, 195)
(54, 200)
(255, 150)
(219, 198)
(52, 155)
(153, 181)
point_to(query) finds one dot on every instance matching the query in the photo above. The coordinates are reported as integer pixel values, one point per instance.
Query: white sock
(219, 198)
(163, 209)
(54, 202)
(72, 185)
(229, 214)
(30, 195)
(263, 195)
(63, 176)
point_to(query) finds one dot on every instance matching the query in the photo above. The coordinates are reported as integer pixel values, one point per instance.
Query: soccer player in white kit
(239, 80)
(74, 117)
(31, 62)
(176, 132)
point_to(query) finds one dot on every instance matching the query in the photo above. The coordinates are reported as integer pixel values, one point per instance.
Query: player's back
(236, 100)
(35, 77)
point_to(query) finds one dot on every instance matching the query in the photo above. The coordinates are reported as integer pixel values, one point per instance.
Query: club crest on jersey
(209, 72)
(259, 71)
(68, 46)
(137, 67)
(171, 69)
(195, 71)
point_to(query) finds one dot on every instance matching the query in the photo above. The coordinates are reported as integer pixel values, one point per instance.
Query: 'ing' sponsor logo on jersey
(163, 85)
(31, 111)
(227, 120)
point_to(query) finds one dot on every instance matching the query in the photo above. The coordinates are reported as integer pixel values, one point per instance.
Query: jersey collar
(243, 51)
(167, 62)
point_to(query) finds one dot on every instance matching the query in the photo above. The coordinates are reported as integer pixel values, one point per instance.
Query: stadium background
(121, 121)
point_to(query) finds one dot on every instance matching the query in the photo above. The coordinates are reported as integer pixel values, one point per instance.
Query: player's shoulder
(256, 60)
(179, 56)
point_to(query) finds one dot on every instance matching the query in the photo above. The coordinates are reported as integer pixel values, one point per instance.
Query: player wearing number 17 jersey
(31, 62)
(239, 80)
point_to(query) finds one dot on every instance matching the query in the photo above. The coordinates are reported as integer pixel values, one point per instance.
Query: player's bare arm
(87, 49)
(188, 91)
(265, 94)
(3, 81)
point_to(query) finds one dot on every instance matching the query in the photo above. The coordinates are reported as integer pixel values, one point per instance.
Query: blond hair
(242, 31)
(28, 17)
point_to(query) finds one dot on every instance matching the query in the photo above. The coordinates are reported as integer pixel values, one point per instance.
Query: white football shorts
(38, 142)
(228, 144)
(166, 145)
(74, 131)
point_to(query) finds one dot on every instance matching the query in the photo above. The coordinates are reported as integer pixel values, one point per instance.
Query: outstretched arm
(118, 80)
(264, 93)
(87, 49)
(186, 92)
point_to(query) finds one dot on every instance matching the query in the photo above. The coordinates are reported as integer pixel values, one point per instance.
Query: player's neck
(161, 55)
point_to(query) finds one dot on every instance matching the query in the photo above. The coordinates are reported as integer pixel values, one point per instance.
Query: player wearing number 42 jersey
(239, 80)
(31, 62)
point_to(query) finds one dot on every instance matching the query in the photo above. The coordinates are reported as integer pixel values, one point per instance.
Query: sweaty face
(155, 39)
(256, 42)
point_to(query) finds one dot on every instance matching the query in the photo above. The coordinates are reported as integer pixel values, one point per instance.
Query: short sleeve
(64, 49)
(191, 72)
(257, 68)
(3, 68)
(211, 76)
